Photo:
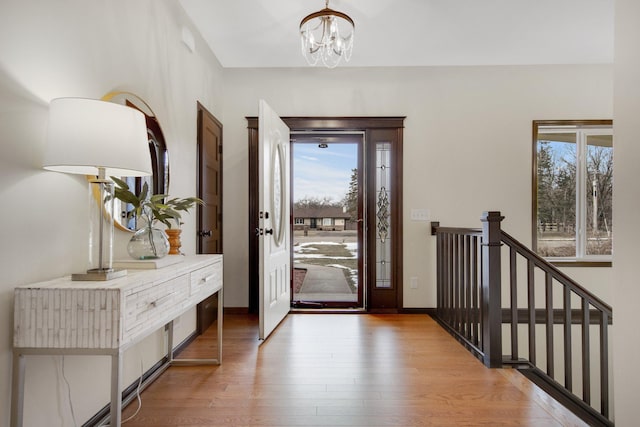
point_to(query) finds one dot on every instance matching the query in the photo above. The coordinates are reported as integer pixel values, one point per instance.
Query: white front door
(274, 228)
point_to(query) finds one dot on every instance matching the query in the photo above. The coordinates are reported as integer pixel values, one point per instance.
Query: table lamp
(101, 139)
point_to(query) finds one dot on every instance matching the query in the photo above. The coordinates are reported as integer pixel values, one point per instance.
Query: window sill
(579, 263)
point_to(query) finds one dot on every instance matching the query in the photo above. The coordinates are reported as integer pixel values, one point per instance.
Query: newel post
(491, 292)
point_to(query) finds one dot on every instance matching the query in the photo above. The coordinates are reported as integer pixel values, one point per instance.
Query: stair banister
(491, 289)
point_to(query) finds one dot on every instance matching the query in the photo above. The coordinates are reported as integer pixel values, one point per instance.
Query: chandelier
(327, 36)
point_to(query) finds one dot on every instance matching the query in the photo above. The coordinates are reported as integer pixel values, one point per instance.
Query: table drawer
(206, 279)
(150, 302)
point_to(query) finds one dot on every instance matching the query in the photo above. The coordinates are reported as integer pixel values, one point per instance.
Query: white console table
(60, 317)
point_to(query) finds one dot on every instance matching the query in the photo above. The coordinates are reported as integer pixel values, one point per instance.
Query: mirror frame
(159, 181)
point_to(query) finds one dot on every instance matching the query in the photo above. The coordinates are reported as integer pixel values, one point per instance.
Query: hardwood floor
(343, 370)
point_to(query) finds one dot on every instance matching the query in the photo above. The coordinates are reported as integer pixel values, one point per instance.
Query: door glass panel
(325, 231)
(383, 215)
(599, 192)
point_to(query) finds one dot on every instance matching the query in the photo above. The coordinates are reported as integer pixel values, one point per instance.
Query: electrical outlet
(413, 283)
(420, 214)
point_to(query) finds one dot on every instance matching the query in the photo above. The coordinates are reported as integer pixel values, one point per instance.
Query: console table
(63, 317)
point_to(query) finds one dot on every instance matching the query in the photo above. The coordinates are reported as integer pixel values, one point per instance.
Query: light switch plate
(420, 214)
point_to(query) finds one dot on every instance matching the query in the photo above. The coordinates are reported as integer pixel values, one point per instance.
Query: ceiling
(264, 33)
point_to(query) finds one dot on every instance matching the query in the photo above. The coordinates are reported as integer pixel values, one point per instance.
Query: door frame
(376, 129)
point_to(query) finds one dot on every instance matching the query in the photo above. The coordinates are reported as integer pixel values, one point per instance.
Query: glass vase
(148, 243)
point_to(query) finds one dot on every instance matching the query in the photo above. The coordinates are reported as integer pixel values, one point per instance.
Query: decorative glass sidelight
(383, 215)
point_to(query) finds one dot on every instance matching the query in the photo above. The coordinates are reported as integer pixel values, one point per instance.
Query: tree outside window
(350, 200)
(573, 189)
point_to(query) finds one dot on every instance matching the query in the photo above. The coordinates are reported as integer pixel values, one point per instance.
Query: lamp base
(98, 275)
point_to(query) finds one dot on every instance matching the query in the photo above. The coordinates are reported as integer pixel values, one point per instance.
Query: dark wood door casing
(376, 129)
(385, 299)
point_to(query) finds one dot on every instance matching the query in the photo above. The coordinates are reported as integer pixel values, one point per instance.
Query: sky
(322, 172)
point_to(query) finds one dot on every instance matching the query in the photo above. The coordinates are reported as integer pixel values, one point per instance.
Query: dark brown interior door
(209, 183)
(209, 239)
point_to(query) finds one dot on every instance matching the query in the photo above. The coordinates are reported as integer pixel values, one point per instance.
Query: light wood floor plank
(343, 370)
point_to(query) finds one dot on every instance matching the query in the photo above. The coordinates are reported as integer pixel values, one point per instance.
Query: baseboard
(101, 416)
(236, 310)
(329, 310)
(383, 311)
(424, 310)
(185, 343)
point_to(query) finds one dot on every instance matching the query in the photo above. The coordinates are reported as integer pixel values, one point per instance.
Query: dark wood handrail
(455, 230)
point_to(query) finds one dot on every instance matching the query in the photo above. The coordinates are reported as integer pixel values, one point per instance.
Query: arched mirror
(159, 181)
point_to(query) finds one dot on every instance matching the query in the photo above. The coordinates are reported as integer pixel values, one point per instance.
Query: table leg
(169, 328)
(116, 390)
(220, 316)
(17, 389)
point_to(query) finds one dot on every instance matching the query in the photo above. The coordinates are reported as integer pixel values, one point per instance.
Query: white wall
(626, 208)
(467, 144)
(85, 49)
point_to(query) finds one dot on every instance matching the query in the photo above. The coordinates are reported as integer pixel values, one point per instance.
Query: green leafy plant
(154, 207)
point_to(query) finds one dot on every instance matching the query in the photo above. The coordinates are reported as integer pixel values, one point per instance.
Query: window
(573, 189)
(298, 221)
(383, 214)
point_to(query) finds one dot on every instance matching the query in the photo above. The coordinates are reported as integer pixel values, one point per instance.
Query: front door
(274, 220)
(382, 184)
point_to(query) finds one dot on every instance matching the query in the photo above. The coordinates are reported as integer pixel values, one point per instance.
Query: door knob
(206, 233)
(268, 231)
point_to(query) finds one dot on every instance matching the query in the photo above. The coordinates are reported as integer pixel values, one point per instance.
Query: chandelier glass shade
(327, 36)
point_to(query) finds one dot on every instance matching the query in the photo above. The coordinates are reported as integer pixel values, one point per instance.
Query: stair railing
(542, 304)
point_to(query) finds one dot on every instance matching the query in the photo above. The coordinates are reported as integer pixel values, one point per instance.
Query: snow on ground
(301, 253)
(300, 250)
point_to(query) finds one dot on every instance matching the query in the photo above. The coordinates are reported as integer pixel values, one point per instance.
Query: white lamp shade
(85, 135)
